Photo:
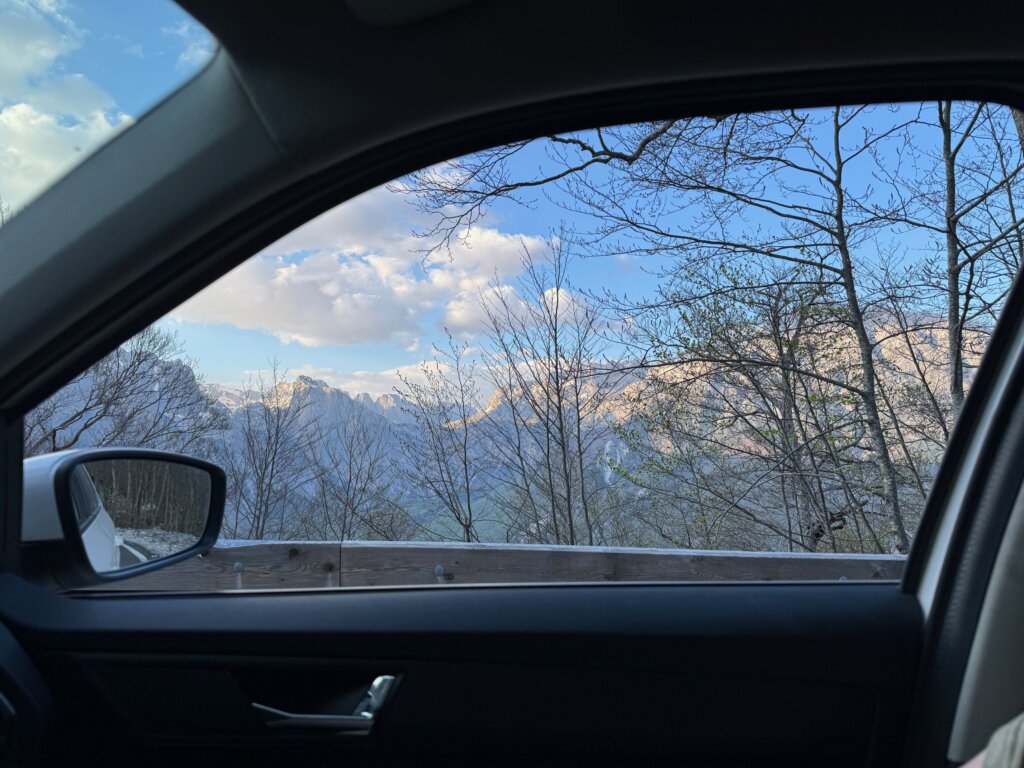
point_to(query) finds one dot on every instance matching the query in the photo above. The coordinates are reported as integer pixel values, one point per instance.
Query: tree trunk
(890, 485)
(1018, 122)
(953, 318)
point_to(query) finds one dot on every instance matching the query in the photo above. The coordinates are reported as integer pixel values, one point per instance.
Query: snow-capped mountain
(320, 396)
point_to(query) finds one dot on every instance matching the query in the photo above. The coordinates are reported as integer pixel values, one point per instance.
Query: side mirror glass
(132, 511)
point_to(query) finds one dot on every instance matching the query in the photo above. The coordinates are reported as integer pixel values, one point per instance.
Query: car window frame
(278, 213)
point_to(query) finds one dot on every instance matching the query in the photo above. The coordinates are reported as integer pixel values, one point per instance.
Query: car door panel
(694, 674)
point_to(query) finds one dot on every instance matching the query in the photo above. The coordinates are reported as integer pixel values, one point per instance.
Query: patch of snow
(156, 541)
(230, 397)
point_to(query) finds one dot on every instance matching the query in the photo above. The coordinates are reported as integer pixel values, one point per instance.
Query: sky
(348, 298)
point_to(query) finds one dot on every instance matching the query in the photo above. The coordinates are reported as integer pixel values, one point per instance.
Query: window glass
(727, 347)
(75, 73)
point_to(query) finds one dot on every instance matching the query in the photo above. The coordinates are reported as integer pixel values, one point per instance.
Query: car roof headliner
(333, 72)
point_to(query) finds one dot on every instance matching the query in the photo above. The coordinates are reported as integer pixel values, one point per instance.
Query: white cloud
(49, 119)
(466, 314)
(563, 302)
(37, 148)
(323, 299)
(195, 55)
(357, 275)
(198, 46)
(73, 95)
(33, 35)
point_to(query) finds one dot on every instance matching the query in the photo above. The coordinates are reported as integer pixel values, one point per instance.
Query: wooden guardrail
(304, 565)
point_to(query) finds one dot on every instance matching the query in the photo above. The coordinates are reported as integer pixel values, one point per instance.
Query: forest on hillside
(828, 280)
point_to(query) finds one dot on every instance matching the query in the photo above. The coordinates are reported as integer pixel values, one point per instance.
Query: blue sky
(136, 50)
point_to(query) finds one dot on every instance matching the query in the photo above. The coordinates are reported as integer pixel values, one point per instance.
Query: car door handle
(360, 722)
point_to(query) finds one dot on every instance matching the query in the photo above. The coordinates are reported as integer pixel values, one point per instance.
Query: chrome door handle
(360, 722)
(375, 696)
(279, 719)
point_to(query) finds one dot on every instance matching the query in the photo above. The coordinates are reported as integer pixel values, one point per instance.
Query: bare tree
(1018, 123)
(460, 193)
(747, 449)
(266, 457)
(144, 394)
(546, 362)
(354, 493)
(719, 204)
(442, 462)
(964, 191)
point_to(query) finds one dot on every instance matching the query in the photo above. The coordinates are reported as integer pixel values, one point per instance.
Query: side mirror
(99, 515)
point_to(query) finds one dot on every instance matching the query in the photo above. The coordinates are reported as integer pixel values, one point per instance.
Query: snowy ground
(156, 542)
